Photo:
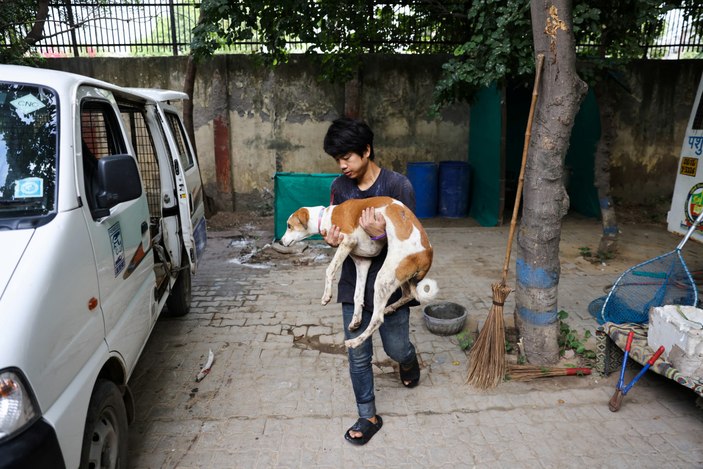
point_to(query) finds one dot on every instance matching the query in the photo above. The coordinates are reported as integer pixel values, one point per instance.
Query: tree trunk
(609, 238)
(189, 89)
(37, 32)
(545, 198)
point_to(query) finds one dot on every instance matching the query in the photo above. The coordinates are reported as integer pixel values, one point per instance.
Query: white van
(101, 224)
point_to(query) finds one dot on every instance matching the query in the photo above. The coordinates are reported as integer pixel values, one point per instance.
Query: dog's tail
(425, 290)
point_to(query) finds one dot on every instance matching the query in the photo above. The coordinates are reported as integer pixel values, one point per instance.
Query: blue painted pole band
(538, 318)
(530, 277)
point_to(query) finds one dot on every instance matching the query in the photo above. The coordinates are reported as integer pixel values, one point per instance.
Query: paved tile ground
(279, 396)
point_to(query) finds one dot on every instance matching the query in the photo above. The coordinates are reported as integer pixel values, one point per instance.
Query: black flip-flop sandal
(410, 374)
(367, 429)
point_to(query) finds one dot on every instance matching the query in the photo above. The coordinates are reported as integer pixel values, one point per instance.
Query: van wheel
(178, 302)
(105, 436)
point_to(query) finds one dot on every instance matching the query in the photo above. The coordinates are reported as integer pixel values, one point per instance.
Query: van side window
(100, 131)
(100, 137)
(184, 153)
(140, 136)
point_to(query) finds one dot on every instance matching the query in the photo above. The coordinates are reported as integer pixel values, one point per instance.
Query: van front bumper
(36, 447)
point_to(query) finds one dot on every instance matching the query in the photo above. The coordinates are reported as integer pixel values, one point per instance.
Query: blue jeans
(395, 335)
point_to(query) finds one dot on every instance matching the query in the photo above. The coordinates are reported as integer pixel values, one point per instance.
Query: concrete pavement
(279, 396)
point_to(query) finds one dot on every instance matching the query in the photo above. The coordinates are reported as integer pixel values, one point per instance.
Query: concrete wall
(651, 123)
(268, 121)
(276, 120)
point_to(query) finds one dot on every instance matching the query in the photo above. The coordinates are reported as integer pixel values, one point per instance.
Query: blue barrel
(454, 179)
(423, 177)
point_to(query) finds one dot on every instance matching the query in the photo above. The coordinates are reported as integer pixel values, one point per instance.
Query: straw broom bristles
(487, 356)
(528, 372)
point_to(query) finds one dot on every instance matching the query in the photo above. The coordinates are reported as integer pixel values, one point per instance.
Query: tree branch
(35, 34)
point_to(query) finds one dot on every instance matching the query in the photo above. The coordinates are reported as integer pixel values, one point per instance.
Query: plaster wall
(651, 123)
(276, 119)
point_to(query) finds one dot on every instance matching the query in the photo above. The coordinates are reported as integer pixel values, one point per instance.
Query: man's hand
(333, 237)
(373, 223)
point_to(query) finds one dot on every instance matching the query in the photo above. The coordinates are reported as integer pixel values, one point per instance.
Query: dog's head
(299, 226)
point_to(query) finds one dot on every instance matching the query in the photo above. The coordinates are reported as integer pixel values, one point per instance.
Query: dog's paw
(354, 325)
(325, 300)
(389, 310)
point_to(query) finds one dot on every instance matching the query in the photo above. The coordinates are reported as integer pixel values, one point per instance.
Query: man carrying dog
(350, 143)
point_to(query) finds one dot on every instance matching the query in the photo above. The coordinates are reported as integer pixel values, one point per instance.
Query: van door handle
(145, 227)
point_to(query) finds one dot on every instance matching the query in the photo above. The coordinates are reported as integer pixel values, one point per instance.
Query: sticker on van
(695, 142)
(118, 258)
(27, 104)
(29, 187)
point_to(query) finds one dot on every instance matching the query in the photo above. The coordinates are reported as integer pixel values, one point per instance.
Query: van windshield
(28, 150)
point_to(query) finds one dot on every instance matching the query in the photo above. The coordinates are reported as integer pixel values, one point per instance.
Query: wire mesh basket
(663, 280)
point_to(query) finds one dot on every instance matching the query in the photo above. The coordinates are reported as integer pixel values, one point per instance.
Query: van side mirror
(118, 181)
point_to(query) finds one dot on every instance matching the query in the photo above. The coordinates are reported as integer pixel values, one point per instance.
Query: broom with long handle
(487, 356)
(530, 372)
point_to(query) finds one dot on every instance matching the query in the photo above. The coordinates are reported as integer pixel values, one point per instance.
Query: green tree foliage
(498, 45)
(336, 32)
(21, 23)
(495, 36)
(612, 33)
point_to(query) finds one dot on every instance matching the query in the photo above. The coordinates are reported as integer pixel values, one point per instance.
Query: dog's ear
(303, 216)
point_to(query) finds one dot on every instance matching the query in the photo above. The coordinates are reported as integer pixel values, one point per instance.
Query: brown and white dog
(408, 260)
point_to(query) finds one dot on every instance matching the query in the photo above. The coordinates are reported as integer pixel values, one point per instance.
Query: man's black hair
(348, 135)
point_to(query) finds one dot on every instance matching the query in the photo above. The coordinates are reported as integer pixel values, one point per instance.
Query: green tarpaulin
(484, 157)
(295, 190)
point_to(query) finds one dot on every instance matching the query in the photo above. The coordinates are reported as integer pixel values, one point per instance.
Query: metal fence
(118, 28)
(679, 39)
(163, 27)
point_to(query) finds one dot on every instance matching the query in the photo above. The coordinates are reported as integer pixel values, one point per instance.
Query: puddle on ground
(240, 243)
(313, 343)
(244, 263)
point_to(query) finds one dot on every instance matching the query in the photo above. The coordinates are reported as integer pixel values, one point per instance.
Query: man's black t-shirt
(389, 184)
